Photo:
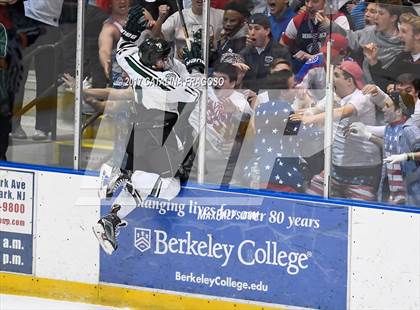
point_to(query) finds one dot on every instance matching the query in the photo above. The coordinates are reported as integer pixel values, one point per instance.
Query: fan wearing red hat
(109, 36)
(356, 162)
(354, 70)
(339, 46)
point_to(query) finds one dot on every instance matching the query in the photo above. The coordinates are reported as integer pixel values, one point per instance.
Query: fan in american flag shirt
(277, 147)
(396, 114)
(392, 171)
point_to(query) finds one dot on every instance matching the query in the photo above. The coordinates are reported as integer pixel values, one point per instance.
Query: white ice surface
(13, 302)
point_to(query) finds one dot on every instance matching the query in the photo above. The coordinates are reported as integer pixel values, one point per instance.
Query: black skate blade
(99, 232)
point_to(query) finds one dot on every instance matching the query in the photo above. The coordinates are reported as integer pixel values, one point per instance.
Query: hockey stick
(184, 25)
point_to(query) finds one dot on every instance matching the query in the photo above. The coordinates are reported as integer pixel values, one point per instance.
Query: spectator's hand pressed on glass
(303, 100)
(396, 158)
(98, 105)
(300, 111)
(304, 118)
(358, 129)
(370, 51)
(69, 81)
(370, 89)
(297, 116)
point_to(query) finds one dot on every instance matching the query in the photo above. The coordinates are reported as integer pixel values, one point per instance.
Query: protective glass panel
(377, 84)
(265, 96)
(373, 48)
(41, 45)
(253, 140)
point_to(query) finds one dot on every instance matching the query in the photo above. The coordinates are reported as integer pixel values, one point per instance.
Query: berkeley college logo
(142, 239)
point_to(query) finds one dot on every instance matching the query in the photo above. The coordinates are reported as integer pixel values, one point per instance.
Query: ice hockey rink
(14, 302)
(283, 203)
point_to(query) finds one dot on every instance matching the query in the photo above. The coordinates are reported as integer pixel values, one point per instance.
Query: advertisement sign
(16, 220)
(235, 245)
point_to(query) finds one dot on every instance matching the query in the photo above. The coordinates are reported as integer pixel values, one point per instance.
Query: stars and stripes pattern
(277, 146)
(317, 61)
(393, 171)
(216, 113)
(352, 187)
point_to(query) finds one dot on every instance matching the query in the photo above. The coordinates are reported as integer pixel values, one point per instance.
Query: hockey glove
(193, 59)
(135, 24)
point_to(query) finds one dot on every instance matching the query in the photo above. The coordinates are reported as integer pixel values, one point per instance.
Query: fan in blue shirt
(280, 16)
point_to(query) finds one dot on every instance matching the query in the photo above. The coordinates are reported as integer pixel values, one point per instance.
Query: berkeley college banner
(235, 245)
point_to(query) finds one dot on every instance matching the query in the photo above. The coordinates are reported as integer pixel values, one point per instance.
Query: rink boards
(206, 249)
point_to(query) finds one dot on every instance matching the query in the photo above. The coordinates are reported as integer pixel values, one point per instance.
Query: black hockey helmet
(153, 49)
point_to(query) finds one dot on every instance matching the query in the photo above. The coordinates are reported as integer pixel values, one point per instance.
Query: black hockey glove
(135, 24)
(193, 59)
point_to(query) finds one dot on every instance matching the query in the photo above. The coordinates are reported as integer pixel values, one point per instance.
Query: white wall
(385, 260)
(65, 247)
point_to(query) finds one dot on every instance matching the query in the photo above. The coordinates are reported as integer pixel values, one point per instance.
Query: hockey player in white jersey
(158, 89)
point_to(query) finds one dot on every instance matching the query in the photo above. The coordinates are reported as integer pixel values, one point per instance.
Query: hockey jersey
(161, 90)
(303, 34)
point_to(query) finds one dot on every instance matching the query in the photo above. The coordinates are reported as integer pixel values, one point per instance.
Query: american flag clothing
(392, 172)
(410, 142)
(358, 187)
(312, 74)
(216, 114)
(222, 125)
(278, 146)
(317, 61)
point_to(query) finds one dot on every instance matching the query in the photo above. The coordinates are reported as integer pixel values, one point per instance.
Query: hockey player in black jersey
(158, 89)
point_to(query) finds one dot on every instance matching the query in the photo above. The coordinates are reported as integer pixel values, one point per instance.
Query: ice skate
(112, 180)
(108, 175)
(107, 229)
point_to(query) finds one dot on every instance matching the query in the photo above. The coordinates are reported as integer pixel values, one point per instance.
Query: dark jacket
(260, 64)
(403, 63)
(233, 44)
